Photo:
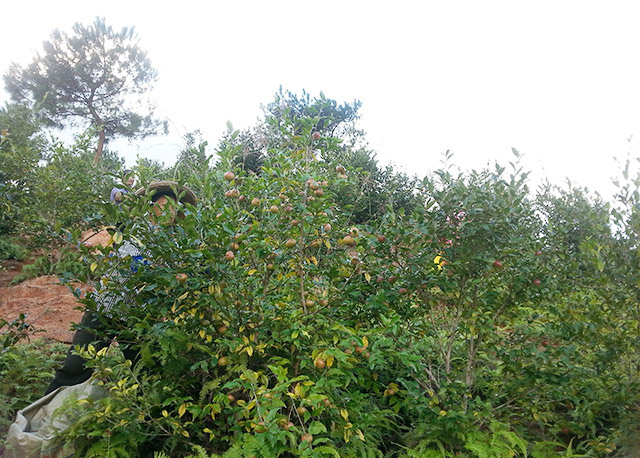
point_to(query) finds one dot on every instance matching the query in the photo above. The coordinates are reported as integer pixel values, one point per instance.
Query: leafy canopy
(97, 76)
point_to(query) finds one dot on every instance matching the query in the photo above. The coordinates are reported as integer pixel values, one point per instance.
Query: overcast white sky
(558, 80)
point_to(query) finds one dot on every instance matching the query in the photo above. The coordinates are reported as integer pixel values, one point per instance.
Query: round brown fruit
(382, 239)
(234, 246)
(242, 198)
(318, 193)
(349, 240)
(274, 209)
(306, 438)
(319, 363)
(181, 278)
(295, 222)
(301, 410)
(223, 361)
(340, 169)
(497, 264)
(229, 256)
(231, 398)
(392, 279)
(538, 253)
(403, 291)
(537, 282)
(229, 176)
(255, 202)
(316, 136)
(327, 227)
(290, 243)
(222, 329)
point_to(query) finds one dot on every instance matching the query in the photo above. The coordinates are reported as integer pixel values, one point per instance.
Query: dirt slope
(48, 305)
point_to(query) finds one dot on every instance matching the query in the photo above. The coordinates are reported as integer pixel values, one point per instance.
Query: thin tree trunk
(100, 146)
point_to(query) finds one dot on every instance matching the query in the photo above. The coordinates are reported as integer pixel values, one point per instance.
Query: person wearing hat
(117, 193)
(93, 330)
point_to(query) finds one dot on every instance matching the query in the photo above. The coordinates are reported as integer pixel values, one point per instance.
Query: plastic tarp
(34, 433)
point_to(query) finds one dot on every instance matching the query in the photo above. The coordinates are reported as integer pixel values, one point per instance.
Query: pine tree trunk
(100, 147)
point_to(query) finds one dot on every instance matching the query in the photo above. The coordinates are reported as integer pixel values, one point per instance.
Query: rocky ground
(48, 305)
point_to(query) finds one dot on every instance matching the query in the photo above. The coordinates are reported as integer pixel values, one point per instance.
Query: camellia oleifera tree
(372, 186)
(269, 324)
(96, 77)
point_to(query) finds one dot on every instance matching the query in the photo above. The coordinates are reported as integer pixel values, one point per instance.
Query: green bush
(269, 325)
(9, 250)
(26, 369)
(316, 305)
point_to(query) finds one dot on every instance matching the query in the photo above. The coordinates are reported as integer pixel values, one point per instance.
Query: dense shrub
(469, 326)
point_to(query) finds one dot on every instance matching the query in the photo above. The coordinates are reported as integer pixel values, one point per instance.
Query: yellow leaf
(344, 414)
(165, 414)
(185, 433)
(367, 276)
(94, 266)
(252, 271)
(202, 333)
(327, 244)
(249, 351)
(183, 296)
(117, 237)
(365, 342)
(181, 410)
(314, 260)
(330, 360)
(251, 405)
(360, 435)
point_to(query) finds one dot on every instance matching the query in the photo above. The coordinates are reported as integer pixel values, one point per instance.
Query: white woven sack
(34, 433)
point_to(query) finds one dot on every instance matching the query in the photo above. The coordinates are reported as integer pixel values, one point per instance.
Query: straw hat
(165, 188)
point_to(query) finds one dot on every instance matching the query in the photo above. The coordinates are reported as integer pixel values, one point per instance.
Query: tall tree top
(95, 76)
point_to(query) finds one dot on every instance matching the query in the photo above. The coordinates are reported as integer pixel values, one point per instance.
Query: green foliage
(315, 305)
(21, 148)
(371, 188)
(25, 370)
(67, 262)
(10, 250)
